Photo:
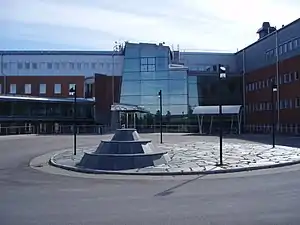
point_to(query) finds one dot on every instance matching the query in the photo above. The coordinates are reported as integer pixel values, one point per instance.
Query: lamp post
(72, 91)
(274, 91)
(222, 76)
(160, 109)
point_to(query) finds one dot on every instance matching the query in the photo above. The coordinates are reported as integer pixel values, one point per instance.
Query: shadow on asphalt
(171, 190)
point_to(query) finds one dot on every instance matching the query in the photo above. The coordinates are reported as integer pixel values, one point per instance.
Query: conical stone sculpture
(124, 151)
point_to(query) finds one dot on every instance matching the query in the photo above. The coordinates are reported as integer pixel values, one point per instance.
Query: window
(49, 66)
(34, 66)
(56, 65)
(259, 84)
(20, 66)
(42, 88)
(5, 66)
(63, 65)
(290, 45)
(0, 88)
(57, 88)
(85, 65)
(287, 78)
(27, 88)
(296, 75)
(285, 47)
(70, 87)
(13, 89)
(280, 50)
(296, 43)
(79, 66)
(27, 65)
(297, 102)
(148, 64)
(93, 65)
(72, 66)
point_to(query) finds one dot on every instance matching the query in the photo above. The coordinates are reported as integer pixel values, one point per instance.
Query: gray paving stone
(199, 155)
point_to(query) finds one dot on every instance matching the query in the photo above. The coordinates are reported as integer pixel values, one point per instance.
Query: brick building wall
(259, 95)
(21, 82)
(106, 88)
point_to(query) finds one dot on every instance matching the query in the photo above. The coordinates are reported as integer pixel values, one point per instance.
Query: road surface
(30, 197)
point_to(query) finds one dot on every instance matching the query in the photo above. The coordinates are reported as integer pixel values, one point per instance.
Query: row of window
(283, 128)
(283, 79)
(28, 88)
(264, 106)
(283, 48)
(59, 65)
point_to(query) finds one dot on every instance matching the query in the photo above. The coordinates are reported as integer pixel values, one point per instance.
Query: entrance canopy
(234, 111)
(214, 110)
(128, 108)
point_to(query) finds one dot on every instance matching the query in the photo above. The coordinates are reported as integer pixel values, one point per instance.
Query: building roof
(278, 30)
(214, 109)
(58, 52)
(43, 99)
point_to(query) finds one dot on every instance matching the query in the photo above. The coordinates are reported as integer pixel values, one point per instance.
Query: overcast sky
(96, 24)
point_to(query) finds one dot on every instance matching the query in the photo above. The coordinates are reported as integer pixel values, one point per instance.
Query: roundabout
(182, 156)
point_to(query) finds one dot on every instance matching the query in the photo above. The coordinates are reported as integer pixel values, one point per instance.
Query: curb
(110, 172)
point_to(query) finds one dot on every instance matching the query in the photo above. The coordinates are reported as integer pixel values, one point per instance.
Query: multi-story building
(273, 59)
(134, 73)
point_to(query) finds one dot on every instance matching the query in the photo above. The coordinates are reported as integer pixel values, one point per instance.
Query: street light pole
(274, 91)
(160, 109)
(222, 75)
(74, 92)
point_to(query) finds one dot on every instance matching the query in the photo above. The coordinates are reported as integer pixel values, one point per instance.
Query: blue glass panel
(131, 88)
(193, 102)
(132, 51)
(151, 60)
(193, 90)
(178, 109)
(131, 76)
(144, 68)
(178, 87)
(149, 100)
(178, 99)
(144, 61)
(131, 65)
(162, 63)
(151, 67)
(148, 75)
(154, 100)
(161, 75)
(152, 87)
(178, 74)
(192, 79)
(133, 99)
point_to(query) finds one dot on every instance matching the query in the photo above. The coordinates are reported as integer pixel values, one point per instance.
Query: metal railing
(92, 129)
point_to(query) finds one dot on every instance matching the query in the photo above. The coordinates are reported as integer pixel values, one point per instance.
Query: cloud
(193, 24)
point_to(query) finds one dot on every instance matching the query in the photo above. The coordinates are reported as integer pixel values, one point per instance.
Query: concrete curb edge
(224, 171)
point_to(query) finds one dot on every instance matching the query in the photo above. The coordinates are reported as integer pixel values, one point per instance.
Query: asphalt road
(29, 197)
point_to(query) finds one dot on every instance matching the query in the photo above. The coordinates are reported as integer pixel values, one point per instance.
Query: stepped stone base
(125, 151)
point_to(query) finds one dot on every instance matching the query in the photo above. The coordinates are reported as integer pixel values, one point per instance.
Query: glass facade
(146, 72)
(207, 89)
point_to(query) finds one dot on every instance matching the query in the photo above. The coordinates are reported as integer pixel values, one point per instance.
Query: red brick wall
(289, 90)
(103, 95)
(50, 81)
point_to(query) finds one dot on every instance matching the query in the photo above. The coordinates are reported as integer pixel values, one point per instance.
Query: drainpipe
(3, 74)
